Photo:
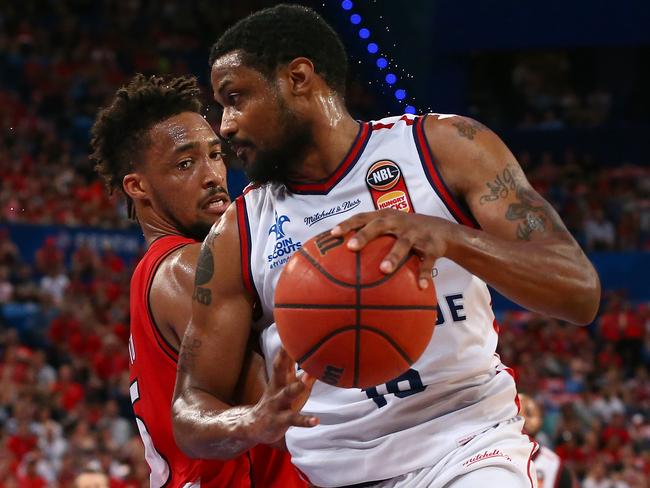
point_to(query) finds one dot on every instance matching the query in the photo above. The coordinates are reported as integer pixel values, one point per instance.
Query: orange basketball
(347, 323)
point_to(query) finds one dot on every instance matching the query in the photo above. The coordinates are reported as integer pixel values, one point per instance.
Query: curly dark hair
(120, 131)
(275, 36)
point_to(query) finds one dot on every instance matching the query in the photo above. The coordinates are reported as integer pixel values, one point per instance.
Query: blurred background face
(257, 122)
(532, 415)
(185, 175)
(91, 480)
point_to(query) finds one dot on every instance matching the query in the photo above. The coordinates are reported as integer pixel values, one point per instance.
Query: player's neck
(334, 132)
(153, 226)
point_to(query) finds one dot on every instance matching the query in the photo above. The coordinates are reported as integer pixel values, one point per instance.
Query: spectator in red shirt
(30, 477)
(49, 257)
(22, 441)
(71, 392)
(616, 428)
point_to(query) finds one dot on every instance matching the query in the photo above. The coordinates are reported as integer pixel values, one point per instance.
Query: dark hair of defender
(120, 131)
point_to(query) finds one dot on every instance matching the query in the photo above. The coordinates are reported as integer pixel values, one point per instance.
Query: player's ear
(134, 186)
(301, 75)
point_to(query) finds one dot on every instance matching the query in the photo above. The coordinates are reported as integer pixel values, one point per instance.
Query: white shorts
(498, 457)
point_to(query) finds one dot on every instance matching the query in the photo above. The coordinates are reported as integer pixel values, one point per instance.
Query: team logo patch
(383, 175)
(387, 186)
(284, 245)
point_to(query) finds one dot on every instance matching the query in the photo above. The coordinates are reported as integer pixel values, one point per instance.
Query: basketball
(347, 323)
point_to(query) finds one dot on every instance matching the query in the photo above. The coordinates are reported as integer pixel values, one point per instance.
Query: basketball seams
(303, 252)
(348, 328)
(332, 351)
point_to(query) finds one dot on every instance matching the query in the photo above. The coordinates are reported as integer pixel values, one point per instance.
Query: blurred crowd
(64, 384)
(593, 383)
(605, 208)
(561, 88)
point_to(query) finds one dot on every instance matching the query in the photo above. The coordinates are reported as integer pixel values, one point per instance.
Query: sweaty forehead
(181, 129)
(232, 67)
(231, 60)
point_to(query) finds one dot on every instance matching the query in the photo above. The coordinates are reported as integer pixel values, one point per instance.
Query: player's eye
(216, 155)
(233, 98)
(184, 165)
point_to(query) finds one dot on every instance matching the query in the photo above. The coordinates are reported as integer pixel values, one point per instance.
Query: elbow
(587, 303)
(182, 435)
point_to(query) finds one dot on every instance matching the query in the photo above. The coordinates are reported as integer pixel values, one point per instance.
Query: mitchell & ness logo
(486, 455)
(284, 246)
(338, 209)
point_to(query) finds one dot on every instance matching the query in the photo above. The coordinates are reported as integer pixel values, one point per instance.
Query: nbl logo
(383, 175)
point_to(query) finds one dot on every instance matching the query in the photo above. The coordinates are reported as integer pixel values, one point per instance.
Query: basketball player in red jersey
(152, 143)
(456, 196)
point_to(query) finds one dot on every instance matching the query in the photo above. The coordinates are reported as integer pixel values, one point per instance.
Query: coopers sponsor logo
(487, 454)
(395, 199)
(383, 175)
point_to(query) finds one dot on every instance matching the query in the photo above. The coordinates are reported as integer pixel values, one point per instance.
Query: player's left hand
(423, 235)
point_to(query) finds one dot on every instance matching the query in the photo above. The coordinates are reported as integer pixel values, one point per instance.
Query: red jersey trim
(164, 345)
(245, 245)
(457, 209)
(324, 186)
(404, 118)
(530, 459)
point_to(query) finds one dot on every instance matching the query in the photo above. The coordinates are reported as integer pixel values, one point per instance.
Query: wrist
(454, 241)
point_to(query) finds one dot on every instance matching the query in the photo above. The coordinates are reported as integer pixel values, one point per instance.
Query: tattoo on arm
(189, 353)
(204, 272)
(531, 211)
(468, 128)
(501, 187)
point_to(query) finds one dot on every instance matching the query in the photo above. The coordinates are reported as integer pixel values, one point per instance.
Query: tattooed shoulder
(468, 128)
(203, 275)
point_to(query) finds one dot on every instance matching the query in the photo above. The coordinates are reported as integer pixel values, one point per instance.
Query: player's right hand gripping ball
(347, 323)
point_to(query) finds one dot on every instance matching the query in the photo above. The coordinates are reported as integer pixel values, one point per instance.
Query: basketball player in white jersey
(449, 190)
(551, 471)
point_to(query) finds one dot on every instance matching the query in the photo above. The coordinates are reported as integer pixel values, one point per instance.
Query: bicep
(482, 170)
(215, 342)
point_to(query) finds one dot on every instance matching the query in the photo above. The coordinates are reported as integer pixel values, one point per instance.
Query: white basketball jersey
(457, 389)
(547, 466)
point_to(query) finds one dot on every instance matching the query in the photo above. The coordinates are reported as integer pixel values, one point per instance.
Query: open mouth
(217, 203)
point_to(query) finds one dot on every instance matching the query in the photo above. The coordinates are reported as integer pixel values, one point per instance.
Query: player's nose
(214, 174)
(228, 127)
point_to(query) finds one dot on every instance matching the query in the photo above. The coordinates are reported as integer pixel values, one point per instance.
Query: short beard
(276, 165)
(197, 231)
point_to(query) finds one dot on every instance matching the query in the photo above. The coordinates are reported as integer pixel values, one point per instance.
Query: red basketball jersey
(153, 374)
